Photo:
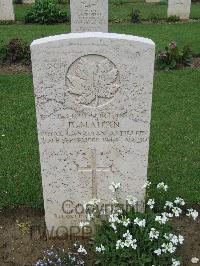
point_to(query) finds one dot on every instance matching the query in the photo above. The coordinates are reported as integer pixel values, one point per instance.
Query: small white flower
(139, 222)
(134, 246)
(114, 227)
(168, 214)
(192, 214)
(163, 219)
(83, 224)
(162, 186)
(174, 239)
(126, 222)
(179, 201)
(114, 186)
(169, 204)
(129, 241)
(151, 203)
(119, 211)
(91, 207)
(194, 260)
(132, 201)
(127, 235)
(89, 216)
(175, 262)
(92, 202)
(181, 239)
(158, 252)
(153, 234)
(82, 250)
(103, 212)
(114, 201)
(147, 184)
(3, 135)
(168, 247)
(119, 244)
(100, 249)
(113, 218)
(176, 211)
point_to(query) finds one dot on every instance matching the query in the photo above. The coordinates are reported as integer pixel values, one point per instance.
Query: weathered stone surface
(6, 10)
(89, 15)
(93, 94)
(179, 8)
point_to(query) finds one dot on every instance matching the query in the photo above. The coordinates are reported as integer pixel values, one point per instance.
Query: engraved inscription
(93, 80)
(89, 15)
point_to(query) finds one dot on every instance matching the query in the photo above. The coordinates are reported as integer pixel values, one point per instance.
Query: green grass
(20, 180)
(174, 146)
(122, 11)
(162, 34)
(175, 142)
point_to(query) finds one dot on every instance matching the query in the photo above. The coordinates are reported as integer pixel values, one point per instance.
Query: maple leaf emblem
(93, 79)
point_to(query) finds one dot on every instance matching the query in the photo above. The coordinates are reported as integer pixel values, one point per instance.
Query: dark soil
(22, 240)
(15, 68)
(196, 62)
(191, 231)
(20, 68)
(22, 237)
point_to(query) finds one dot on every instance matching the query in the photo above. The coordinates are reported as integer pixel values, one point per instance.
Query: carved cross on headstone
(94, 169)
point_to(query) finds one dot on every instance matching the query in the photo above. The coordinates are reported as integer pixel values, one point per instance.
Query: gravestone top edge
(91, 35)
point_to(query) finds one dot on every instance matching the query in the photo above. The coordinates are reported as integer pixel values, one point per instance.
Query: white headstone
(89, 15)
(93, 94)
(179, 8)
(6, 10)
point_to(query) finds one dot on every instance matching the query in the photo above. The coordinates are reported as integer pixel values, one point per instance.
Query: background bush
(46, 12)
(18, 1)
(136, 16)
(174, 57)
(15, 51)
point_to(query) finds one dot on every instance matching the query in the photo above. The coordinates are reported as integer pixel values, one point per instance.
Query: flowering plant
(129, 237)
(126, 236)
(60, 257)
(174, 57)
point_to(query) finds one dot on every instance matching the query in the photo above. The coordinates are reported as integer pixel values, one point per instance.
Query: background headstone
(28, 1)
(93, 94)
(6, 10)
(152, 1)
(89, 15)
(179, 8)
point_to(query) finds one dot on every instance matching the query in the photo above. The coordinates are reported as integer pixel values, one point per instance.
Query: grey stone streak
(93, 95)
(89, 15)
(6, 10)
